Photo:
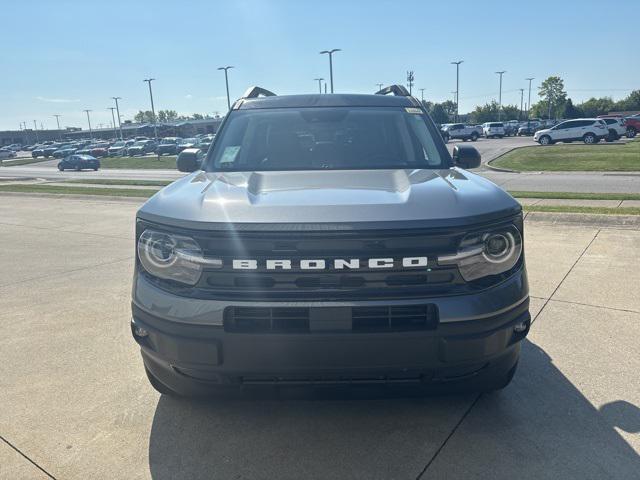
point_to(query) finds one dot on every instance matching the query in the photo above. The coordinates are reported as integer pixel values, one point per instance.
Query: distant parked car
(119, 148)
(632, 124)
(79, 162)
(38, 151)
(16, 147)
(99, 149)
(7, 153)
(528, 129)
(142, 147)
(460, 131)
(511, 128)
(617, 128)
(589, 130)
(48, 150)
(64, 151)
(188, 143)
(168, 146)
(493, 129)
(205, 143)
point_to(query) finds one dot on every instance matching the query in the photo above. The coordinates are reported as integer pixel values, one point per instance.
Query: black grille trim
(370, 319)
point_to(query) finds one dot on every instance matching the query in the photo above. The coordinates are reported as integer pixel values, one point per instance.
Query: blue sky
(60, 57)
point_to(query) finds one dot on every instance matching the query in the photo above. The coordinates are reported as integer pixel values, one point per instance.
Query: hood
(540, 132)
(438, 197)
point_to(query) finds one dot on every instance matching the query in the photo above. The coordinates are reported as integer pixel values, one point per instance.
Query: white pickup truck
(460, 131)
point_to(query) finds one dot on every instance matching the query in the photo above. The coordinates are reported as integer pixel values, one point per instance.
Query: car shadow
(540, 426)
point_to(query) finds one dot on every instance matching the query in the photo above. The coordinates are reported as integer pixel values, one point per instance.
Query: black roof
(325, 100)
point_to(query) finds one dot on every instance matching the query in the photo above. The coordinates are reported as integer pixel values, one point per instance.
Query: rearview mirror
(466, 156)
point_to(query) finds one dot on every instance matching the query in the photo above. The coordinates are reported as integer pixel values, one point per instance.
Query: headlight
(486, 253)
(172, 257)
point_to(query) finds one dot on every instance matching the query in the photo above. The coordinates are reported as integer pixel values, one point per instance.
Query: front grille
(328, 284)
(330, 319)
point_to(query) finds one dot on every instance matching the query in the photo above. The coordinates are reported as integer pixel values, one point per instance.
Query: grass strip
(576, 195)
(587, 158)
(144, 163)
(574, 209)
(138, 183)
(23, 161)
(59, 189)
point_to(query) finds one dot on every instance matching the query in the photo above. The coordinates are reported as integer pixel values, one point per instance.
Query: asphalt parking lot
(76, 404)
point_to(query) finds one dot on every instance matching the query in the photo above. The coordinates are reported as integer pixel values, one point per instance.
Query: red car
(99, 150)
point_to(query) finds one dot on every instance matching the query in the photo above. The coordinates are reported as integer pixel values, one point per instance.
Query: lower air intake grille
(358, 319)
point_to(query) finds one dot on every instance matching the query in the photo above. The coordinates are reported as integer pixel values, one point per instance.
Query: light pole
(118, 112)
(330, 53)
(319, 80)
(422, 95)
(35, 129)
(58, 123)
(410, 79)
(226, 81)
(89, 121)
(153, 110)
(529, 101)
(113, 117)
(521, 101)
(379, 86)
(500, 94)
(457, 64)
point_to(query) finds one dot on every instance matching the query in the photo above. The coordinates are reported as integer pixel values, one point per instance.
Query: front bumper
(194, 354)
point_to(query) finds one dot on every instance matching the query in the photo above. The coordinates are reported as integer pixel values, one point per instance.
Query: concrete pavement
(76, 404)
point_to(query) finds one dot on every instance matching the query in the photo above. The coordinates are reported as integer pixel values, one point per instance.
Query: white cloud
(58, 100)
(188, 96)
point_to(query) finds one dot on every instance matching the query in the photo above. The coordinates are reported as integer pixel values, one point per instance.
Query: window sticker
(413, 110)
(230, 153)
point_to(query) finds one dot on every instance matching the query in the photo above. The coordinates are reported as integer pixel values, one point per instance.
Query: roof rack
(397, 90)
(255, 92)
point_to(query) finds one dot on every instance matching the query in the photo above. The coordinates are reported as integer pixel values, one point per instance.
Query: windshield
(118, 144)
(140, 144)
(184, 141)
(336, 138)
(168, 141)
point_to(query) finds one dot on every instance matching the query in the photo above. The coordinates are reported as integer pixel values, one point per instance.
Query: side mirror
(466, 156)
(188, 163)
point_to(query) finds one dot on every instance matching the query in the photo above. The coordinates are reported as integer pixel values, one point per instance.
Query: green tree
(144, 117)
(571, 111)
(167, 115)
(553, 95)
(485, 113)
(439, 113)
(510, 112)
(449, 107)
(597, 106)
(630, 103)
(197, 116)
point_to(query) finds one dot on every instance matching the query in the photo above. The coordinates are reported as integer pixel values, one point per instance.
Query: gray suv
(330, 240)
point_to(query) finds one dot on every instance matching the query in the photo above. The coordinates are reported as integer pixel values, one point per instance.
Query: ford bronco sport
(330, 240)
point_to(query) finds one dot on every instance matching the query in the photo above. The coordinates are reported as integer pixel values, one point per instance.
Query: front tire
(631, 132)
(544, 140)
(589, 139)
(474, 137)
(61, 169)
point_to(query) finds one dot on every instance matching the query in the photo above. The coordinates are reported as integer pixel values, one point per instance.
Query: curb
(110, 198)
(630, 222)
(500, 169)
